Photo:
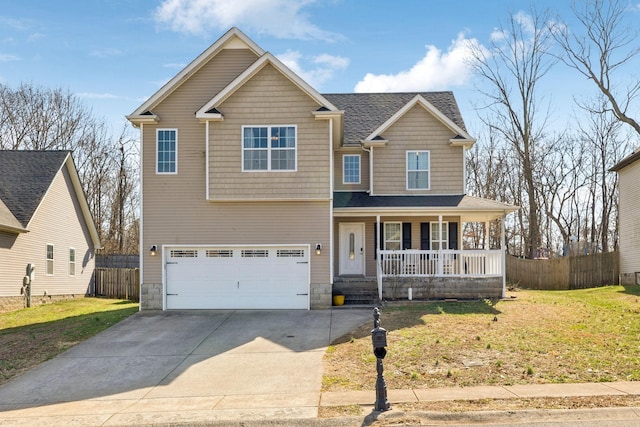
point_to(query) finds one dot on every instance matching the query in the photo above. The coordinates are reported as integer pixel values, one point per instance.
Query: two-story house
(260, 192)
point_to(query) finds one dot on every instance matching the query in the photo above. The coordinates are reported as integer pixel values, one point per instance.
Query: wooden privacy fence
(564, 273)
(118, 283)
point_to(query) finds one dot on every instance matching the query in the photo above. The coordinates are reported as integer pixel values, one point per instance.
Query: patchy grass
(31, 336)
(590, 335)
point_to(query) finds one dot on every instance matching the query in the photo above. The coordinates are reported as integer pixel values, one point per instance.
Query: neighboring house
(45, 222)
(260, 192)
(628, 170)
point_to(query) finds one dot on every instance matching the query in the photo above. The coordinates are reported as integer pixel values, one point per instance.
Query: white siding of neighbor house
(58, 221)
(629, 205)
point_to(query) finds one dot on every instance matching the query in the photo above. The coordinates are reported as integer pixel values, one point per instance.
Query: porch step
(358, 290)
(361, 297)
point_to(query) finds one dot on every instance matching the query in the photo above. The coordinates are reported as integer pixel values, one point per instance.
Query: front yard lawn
(590, 335)
(31, 336)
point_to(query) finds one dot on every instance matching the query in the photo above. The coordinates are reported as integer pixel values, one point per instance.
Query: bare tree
(37, 118)
(512, 68)
(603, 51)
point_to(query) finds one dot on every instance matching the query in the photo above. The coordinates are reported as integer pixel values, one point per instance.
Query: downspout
(370, 151)
(141, 242)
(331, 185)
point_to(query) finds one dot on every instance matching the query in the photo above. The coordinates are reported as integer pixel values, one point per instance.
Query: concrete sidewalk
(148, 407)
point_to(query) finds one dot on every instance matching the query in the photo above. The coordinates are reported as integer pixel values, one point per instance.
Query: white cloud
(93, 95)
(106, 52)
(436, 71)
(279, 18)
(322, 67)
(6, 57)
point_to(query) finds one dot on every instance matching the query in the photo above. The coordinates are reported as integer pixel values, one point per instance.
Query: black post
(379, 339)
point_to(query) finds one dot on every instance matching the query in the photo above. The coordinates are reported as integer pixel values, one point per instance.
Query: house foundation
(426, 288)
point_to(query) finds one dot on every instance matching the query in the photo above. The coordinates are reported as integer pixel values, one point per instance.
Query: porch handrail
(419, 263)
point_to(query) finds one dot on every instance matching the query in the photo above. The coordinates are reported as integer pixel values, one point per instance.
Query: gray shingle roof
(25, 177)
(365, 112)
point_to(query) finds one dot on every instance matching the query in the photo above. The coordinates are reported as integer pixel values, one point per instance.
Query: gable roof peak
(232, 39)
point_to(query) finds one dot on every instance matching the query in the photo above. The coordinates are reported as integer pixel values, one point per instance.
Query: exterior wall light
(153, 251)
(318, 248)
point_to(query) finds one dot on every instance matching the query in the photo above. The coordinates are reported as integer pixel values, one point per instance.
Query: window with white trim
(418, 170)
(439, 238)
(269, 148)
(49, 266)
(167, 151)
(392, 236)
(72, 262)
(351, 169)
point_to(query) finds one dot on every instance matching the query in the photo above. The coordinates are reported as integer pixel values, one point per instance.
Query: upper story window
(351, 169)
(269, 148)
(167, 151)
(418, 170)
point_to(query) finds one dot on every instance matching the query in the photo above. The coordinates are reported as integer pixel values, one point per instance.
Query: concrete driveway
(184, 366)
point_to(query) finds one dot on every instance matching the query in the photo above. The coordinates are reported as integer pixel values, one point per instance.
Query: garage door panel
(242, 278)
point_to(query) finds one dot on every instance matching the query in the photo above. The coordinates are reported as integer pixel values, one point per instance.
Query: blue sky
(115, 53)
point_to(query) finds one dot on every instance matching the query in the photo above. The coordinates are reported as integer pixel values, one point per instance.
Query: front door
(351, 248)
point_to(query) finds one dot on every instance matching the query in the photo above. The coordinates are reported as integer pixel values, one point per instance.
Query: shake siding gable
(629, 223)
(269, 98)
(58, 221)
(418, 130)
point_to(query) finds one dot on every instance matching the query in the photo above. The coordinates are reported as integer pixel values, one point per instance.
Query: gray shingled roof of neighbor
(25, 177)
(365, 112)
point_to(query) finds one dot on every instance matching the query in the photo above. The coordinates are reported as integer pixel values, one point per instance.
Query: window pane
(255, 160)
(166, 151)
(351, 169)
(418, 180)
(392, 231)
(283, 160)
(255, 137)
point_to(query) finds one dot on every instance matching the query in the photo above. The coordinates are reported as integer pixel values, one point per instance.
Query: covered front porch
(415, 246)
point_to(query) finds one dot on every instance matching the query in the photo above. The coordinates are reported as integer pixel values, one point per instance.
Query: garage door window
(255, 253)
(290, 253)
(219, 253)
(184, 253)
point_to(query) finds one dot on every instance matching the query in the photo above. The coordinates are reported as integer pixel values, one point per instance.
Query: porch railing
(416, 263)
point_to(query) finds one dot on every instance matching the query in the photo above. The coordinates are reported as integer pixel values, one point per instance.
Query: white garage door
(237, 278)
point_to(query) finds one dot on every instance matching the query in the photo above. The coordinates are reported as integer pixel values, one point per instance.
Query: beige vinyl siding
(629, 206)
(364, 171)
(179, 220)
(57, 221)
(418, 130)
(269, 98)
(369, 233)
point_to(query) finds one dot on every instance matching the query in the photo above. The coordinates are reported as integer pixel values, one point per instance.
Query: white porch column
(485, 244)
(504, 257)
(378, 258)
(440, 260)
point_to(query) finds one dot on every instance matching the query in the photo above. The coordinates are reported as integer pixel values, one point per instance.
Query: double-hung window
(49, 265)
(418, 170)
(167, 151)
(392, 236)
(439, 237)
(351, 169)
(269, 148)
(72, 262)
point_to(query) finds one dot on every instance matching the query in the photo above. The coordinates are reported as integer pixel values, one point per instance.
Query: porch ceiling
(469, 208)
